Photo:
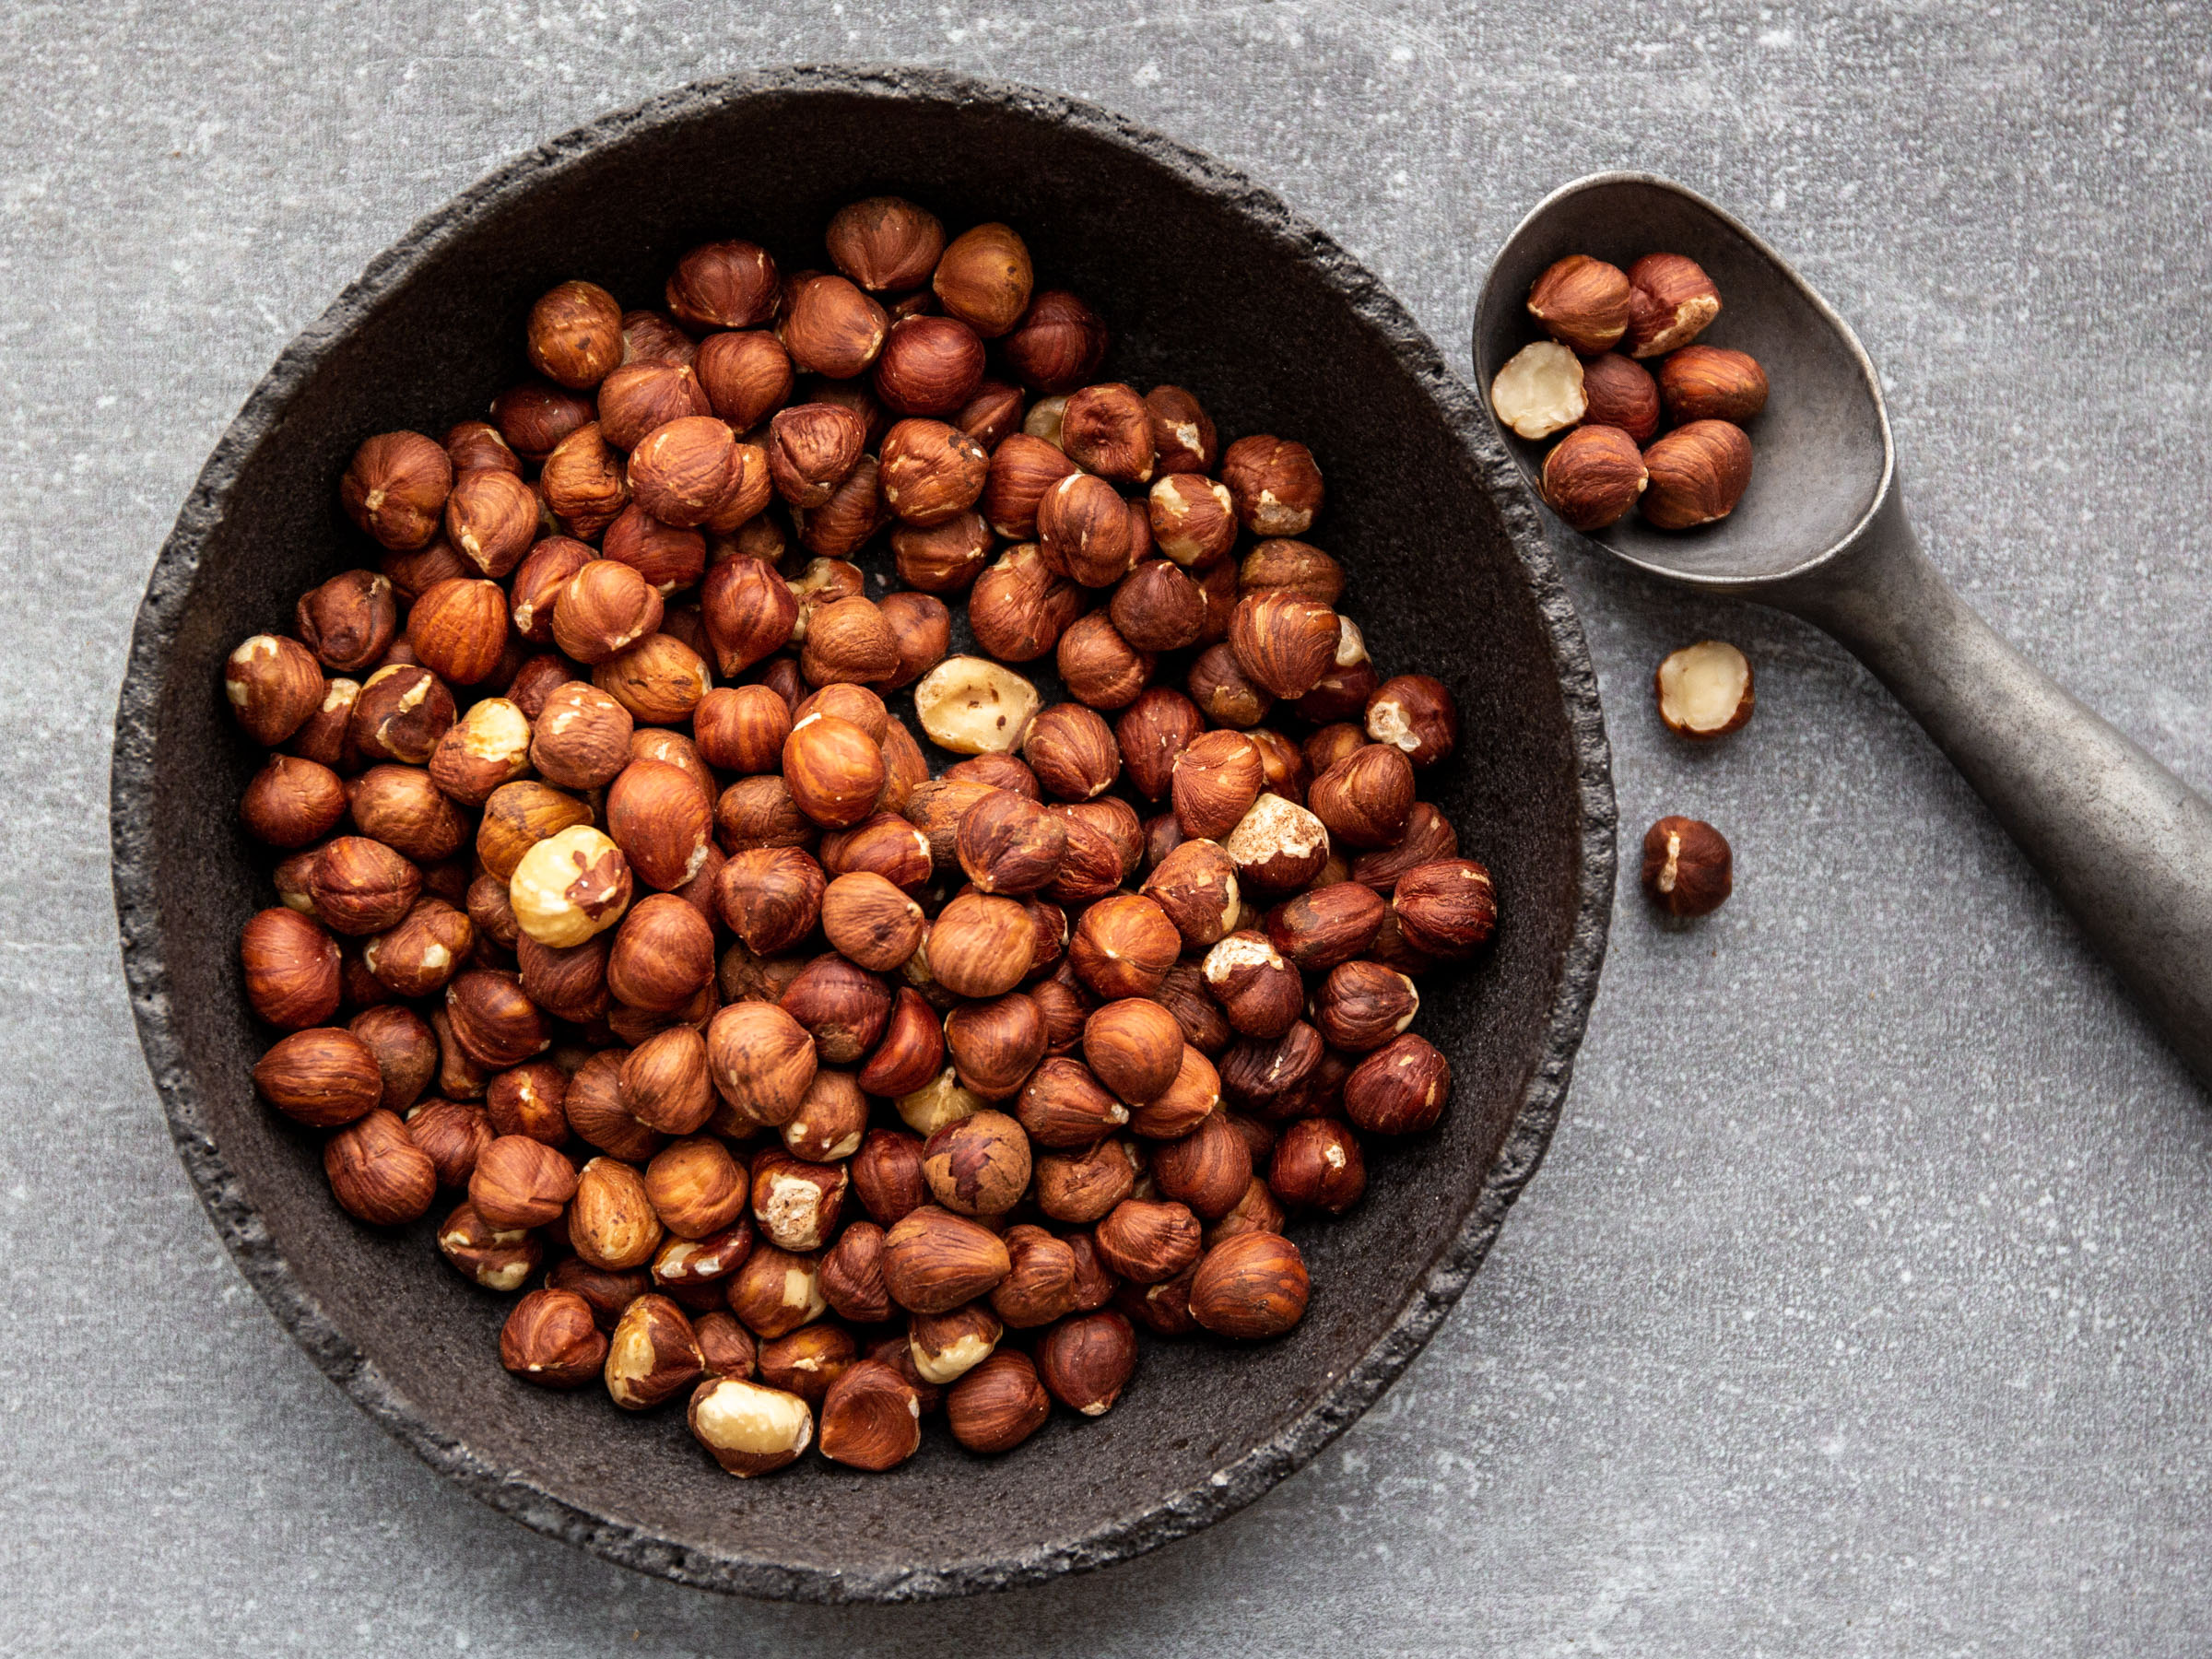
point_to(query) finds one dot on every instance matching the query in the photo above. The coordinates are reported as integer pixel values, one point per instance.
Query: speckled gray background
(1860, 1307)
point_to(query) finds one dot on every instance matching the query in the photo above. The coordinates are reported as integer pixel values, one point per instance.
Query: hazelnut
(1124, 946)
(1215, 782)
(1285, 566)
(871, 1418)
(1539, 390)
(797, 1204)
(1195, 884)
(747, 1429)
(1317, 1166)
(887, 1175)
(1619, 392)
(884, 844)
(946, 1346)
(830, 1121)
(517, 816)
(1087, 532)
(273, 684)
(1135, 1047)
(749, 613)
(931, 472)
(652, 1355)
(1064, 1107)
(519, 1182)
(668, 557)
(776, 1293)
(1687, 867)
(663, 953)
(1278, 846)
(683, 472)
(1041, 1285)
(581, 738)
(984, 279)
(494, 1019)
(349, 621)
(1698, 472)
(1704, 691)
(569, 886)
(574, 334)
(583, 483)
(291, 969)
(760, 812)
(537, 679)
(1319, 929)
(656, 815)
(400, 714)
(550, 1339)
(1257, 1211)
(808, 1360)
(849, 701)
(930, 366)
(726, 1347)
(1400, 1089)
(323, 1078)
(1086, 1362)
(1071, 751)
(885, 243)
(1152, 734)
(762, 1060)
(1274, 484)
(659, 679)
(491, 518)
(1670, 301)
(1251, 1287)
(1208, 1170)
(649, 393)
(1097, 666)
(771, 896)
(396, 487)
(529, 1099)
(459, 1077)
(1106, 429)
(1365, 799)
(1009, 845)
(1079, 1188)
(1447, 908)
(922, 629)
(1058, 345)
(534, 418)
(1023, 469)
(935, 1260)
(1185, 1103)
(1019, 606)
(362, 886)
(943, 558)
(291, 802)
(1259, 992)
(611, 1222)
(811, 447)
(745, 374)
(1414, 713)
(849, 641)
(1218, 685)
(377, 1174)
(1361, 1005)
(1146, 1242)
(741, 728)
(486, 748)
(1582, 302)
(831, 328)
(498, 1259)
(833, 770)
(852, 1276)
(1284, 644)
(724, 285)
(997, 1405)
(1592, 477)
(421, 954)
(973, 706)
(979, 1165)
(992, 414)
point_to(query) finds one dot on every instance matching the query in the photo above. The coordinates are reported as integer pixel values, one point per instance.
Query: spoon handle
(2125, 845)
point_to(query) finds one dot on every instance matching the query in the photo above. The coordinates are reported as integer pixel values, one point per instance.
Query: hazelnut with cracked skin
(1688, 866)
(1582, 302)
(519, 816)
(652, 1354)
(569, 886)
(400, 714)
(583, 484)
(500, 1259)
(1182, 434)
(1540, 391)
(777, 1291)
(1195, 884)
(1193, 520)
(1259, 992)
(1274, 484)
(1592, 477)
(1021, 605)
(1087, 532)
(1220, 687)
(611, 1222)
(273, 684)
(1279, 846)
(978, 1165)
(1670, 301)
(1414, 713)
(797, 1204)
(1400, 1089)
(1704, 691)
(641, 397)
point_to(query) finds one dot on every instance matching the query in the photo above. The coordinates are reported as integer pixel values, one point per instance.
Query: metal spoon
(1822, 534)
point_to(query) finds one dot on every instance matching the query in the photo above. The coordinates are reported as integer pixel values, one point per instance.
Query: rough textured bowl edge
(239, 1225)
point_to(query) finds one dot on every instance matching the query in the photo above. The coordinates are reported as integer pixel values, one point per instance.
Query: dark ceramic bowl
(1207, 279)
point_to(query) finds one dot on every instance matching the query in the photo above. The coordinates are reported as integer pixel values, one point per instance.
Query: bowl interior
(1205, 281)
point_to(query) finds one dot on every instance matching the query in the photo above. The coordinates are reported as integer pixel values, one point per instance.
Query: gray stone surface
(1859, 1308)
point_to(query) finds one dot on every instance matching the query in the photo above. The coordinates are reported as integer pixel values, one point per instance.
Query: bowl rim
(1428, 1299)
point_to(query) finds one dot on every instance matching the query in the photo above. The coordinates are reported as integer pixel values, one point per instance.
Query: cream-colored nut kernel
(1240, 951)
(1539, 390)
(973, 706)
(961, 1356)
(569, 886)
(940, 1102)
(750, 1429)
(1705, 689)
(1352, 644)
(1044, 418)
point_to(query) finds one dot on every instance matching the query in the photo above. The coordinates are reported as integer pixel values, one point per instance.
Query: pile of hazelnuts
(1589, 380)
(775, 1060)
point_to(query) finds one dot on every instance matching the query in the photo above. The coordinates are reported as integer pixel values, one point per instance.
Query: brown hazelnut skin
(1415, 714)
(1095, 1283)
(1251, 1285)
(535, 416)
(1183, 433)
(362, 886)
(407, 1054)
(1621, 392)
(797, 1204)
(1670, 302)
(1087, 532)
(981, 944)
(887, 1173)
(519, 1182)
(1023, 469)
(931, 472)
(723, 284)
(935, 1260)
(396, 488)
(652, 1354)
(885, 844)
(574, 334)
(984, 279)
(1218, 685)
(669, 556)
(663, 952)
(870, 921)
(1362, 1006)
(811, 448)
(1697, 473)
(1582, 302)
(808, 1360)
(1152, 734)
(1135, 1047)
(1099, 667)
(658, 815)
(611, 1222)
(746, 374)
(1207, 1169)
(529, 1099)
(1365, 799)
(943, 558)
(763, 1061)
(1184, 1105)
(1062, 1107)
(852, 1276)
(1284, 644)
(273, 684)
(494, 1019)
(684, 472)
(349, 622)
(726, 1347)
(491, 518)
(1041, 1285)
(322, 1077)
(1147, 1241)
(842, 1006)
(496, 1259)
(1274, 484)
(833, 770)
(1592, 477)
(997, 1405)
(377, 1174)
(1086, 1360)
(1259, 992)
(291, 802)
(1688, 870)
(1009, 845)
(885, 243)
(1158, 608)
(1057, 345)
(741, 728)
(1317, 1166)
(1400, 1089)
(1106, 429)
(420, 957)
(979, 1165)
(1124, 946)
(400, 714)
(639, 398)
(1073, 752)
(930, 366)
(749, 613)
(1448, 908)
(1215, 781)
(1319, 929)
(551, 1339)
(831, 328)
(871, 1418)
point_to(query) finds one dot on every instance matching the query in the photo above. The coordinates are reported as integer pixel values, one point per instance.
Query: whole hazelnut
(1217, 684)
(291, 969)
(1365, 799)
(1687, 867)
(992, 414)
(1022, 470)
(1250, 1287)
(1182, 434)
(746, 375)
(943, 558)
(611, 1222)
(700, 1192)
(762, 1060)
(770, 896)
(1361, 1005)
(811, 447)
(1078, 1187)
(741, 728)
(849, 641)
(833, 770)
(984, 279)
(605, 607)
(1064, 1107)
(400, 714)
(519, 1182)
(500, 1259)
(1086, 1362)
(488, 747)
(569, 886)
(853, 512)
(973, 706)
(529, 1099)
(998, 1403)
(1697, 473)
(1260, 993)
(1097, 666)
(1195, 884)
(1073, 752)
(1274, 483)
(377, 1174)
(1671, 300)
(669, 556)
(551, 1339)
(1207, 1169)
(1058, 345)
(807, 1361)
(777, 1291)
(681, 473)
(323, 1076)
(871, 1418)
(656, 816)
(362, 886)
(1592, 477)
(1147, 1241)
(583, 483)
(535, 416)
(1106, 429)
(726, 1347)
(1019, 606)
(884, 844)
(538, 677)
(581, 739)
(646, 393)
(831, 328)
(1582, 302)
(494, 1019)
(1087, 532)
(749, 613)
(1619, 392)
(760, 812)
(1124, 946)
(652, 1355)
(930, 366)
(885, 243)
(491, 518)
(1010, 845)
(1185, 994)
(1447, 908)
(842, 1006)
(724, 285)
(663, 953)
(932, 471)
(1214, 782)
(458, 629)
(935, 1260)
(747, 1429)
(1400, 1089)
(1317, 1166)
(273, 684)
(520, 815)
(1093, 867)
(910, 1053)
(978, 1165)
(1284, 644)
(664, 1081)
(396, 488)
(291, 802)
(1151, 735)
(797, 1204)
(1416, 714)
(922, 626)
(349, 621)
(421, 954)
(1704, 691)
(574, 334)
(887, 1175)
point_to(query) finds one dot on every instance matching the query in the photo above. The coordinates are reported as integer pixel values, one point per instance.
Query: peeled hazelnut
(745, 374)
(498, 1259)
(1251, 1285)
(1698, 472)
(1218, 686)
(551, 1339)
(935, 1260)
(724, 285)
(1446, 909)
(1592, 477)
(1620, 393)
(978, 1165)
(1023, 469)
(831, 328)
(1071, 751)
(797, 1204)
(1278, 846)
(973, 706)
(519, 1182)
(377, 1174)
(1582, 302)
(747, 1429)
(1087, 532)
(811, 447)
(1414, 713)
(1361, 1005)
(491, 518)
(871, 1418)
(1365, 799)
(984, 279)
(569, 886)
(762, 1059)
(930, 366)
(1086, 1362)
(997, 1405)
(1275, 485)
(1058, 345)
(535, 416)
(1704, 690)
(1317, 1166)
(1671, 301)
(1539, 390)
(400, 714)
(1687, 867)
(776, 1293)
(1259, 992)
